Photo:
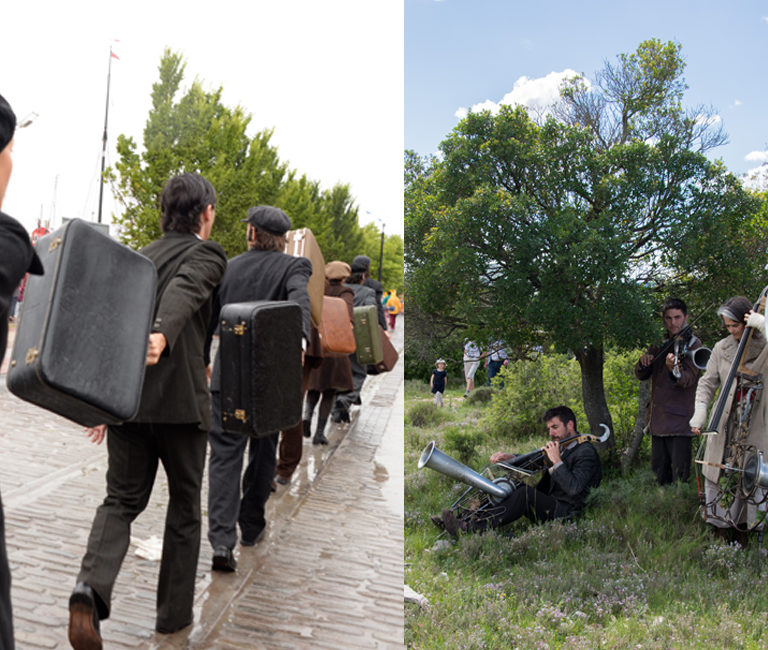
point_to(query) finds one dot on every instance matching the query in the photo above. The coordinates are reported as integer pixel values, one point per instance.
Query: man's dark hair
(265, 241)
(674, 303)
(183, 200)
(564, 414)
(356, 277)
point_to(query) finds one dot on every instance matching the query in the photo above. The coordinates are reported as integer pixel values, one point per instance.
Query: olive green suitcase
(367, 337)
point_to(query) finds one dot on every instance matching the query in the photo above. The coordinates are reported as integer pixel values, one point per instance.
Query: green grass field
(639, 570)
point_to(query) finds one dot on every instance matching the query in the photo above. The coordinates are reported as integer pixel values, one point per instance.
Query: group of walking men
(178, 415)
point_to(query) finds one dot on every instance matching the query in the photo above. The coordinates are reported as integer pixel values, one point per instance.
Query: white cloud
(708, 120)
(537, 94)
(737, 102)
(757, 156)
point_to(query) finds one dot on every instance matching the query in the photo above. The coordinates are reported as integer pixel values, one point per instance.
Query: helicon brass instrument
(484, 494)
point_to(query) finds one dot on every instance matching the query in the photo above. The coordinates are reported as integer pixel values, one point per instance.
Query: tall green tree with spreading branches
(570, 230)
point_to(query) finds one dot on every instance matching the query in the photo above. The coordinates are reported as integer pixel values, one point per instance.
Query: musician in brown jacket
(673, 388)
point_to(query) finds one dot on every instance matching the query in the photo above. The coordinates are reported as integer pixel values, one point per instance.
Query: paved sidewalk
(329, 574)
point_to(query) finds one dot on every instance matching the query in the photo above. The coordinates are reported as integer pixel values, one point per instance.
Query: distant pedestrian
(471, 364)
(438, 381)
(496, 359)
(363, 296)
(363, 263)
(334, 374)
(392, 307)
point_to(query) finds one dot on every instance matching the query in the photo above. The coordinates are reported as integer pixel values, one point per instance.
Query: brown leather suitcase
(389, 359)
(81, 342)
(337, 336)
(302, 243)
(260, 366)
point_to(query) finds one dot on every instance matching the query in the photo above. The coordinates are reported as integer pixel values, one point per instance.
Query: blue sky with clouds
(462, 53)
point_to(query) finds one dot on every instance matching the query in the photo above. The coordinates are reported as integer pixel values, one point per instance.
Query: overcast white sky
(326, 75)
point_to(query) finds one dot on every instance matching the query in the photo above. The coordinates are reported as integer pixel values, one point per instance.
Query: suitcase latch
(240, 415)
(32, 354)
(54, 244)
(238, 329)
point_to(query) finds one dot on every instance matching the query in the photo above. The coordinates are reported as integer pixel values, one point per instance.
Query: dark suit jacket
(17, 256)
(571, 482)
(264, 275)
(188, 271)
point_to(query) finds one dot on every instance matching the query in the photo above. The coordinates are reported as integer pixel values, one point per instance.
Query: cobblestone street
(329, 573)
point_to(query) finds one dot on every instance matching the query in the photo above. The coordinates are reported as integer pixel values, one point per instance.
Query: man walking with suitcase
(170, 426)
(264, 272)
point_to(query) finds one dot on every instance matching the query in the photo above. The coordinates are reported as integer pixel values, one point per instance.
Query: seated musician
(562, 490)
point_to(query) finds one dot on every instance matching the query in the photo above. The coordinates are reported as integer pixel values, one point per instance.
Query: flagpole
(104, 138)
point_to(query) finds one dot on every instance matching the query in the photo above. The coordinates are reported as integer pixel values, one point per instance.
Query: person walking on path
(17, 257)
(263, 272)
(334, 374)
(170, 427)
(438, 381)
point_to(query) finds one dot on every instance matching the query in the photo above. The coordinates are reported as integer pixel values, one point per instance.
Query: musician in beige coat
(740, 514)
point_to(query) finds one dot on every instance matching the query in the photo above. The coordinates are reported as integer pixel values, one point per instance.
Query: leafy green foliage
(639, 569)
(463, 442)
(573, 230)
(192, 130)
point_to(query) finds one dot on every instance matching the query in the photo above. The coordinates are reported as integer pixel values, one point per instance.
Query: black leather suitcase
(81, 341)
(260, 366)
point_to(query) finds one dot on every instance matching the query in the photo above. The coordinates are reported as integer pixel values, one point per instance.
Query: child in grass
(438, 381)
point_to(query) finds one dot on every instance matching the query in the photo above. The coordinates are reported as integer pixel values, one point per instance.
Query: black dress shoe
(256, 540)
(83, 619)
(283, 480)
(223, 559)
(319, 439)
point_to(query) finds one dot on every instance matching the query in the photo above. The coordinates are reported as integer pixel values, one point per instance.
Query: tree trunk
(643, 399)
(590, 360)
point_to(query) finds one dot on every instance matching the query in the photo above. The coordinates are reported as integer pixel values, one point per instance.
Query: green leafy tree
(195, 132)
(573, 230)
(192, 130)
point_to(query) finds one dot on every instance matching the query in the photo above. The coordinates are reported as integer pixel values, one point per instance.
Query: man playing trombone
(674, 377)
(562, 490)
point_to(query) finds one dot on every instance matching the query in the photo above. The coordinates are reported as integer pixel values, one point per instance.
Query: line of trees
(570, 230)
(193, 130)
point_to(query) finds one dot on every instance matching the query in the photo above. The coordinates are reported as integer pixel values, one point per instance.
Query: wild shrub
(529, 388)
(481, 395)
(425, 414)
(462, 442)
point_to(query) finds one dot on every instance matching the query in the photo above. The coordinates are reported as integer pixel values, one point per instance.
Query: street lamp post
(381, 249)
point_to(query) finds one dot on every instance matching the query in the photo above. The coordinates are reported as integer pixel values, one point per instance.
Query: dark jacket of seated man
(562, 490)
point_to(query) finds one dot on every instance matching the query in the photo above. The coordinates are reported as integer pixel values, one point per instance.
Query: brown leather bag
(337, 335)
(390, 356)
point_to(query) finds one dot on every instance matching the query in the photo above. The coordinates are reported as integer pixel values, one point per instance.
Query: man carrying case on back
(17, 257)
(263, 272)
(170, 427)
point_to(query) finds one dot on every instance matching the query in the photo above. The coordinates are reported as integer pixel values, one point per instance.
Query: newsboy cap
(337, 270)
(269, 218)
(361, 263)
(7, 123)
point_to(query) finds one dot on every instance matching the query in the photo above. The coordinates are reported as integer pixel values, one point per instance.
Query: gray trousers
(359, 374)
(226, 507)
(134, 451)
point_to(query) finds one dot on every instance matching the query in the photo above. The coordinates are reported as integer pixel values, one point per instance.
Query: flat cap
(361, 263)
(337, 270)
(269, 218)
(7, 123)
